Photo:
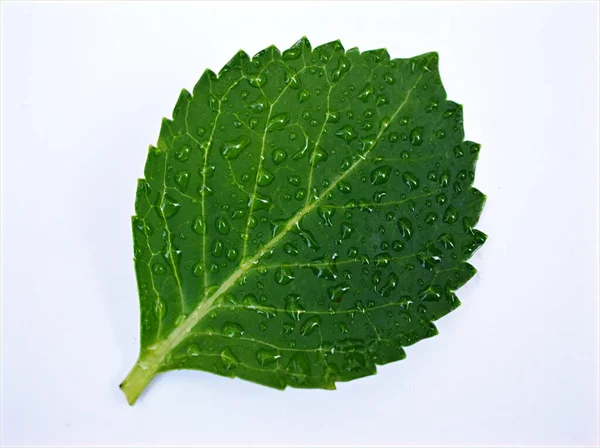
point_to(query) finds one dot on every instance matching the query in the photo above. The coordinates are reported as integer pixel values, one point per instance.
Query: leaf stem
(138, 378)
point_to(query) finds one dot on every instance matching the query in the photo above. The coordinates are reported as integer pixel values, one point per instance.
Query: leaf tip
(242, 55)
(208, 75)
(184, 98)
(353, 51)
(303, 41)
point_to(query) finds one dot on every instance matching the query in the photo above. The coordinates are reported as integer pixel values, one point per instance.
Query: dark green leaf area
(305, 215)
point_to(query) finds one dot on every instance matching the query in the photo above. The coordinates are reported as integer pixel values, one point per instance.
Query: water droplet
(431, 294)
(332, 117)
(284, 275)
(431, 218)
(217, 249)
(326, 213)
(310, 325)
(416, 136)
(232, 330)
(450, 215)
(198, 225)
(264, 178)
(388, 78)
(293, 307)
(261, 202)
(346, 230)
(444, 179)
(183, 153)
(381, 175)
(278, 122)
(446, 240)
(344, 187)
(397, 245)
(222, 225)
(366, 92)
(213, 103)
(291, 80)
(193, 350)
(322, 269)
(317, 156)
(160, 309)
(231, 254)
(367, 142)
(233, 148)
(429, 256)
(382, 100)
(337, 292)
(266, 357)
(382, 260)
(197, 269)
(182, 178)
(405, 227)
(410, 180)
(303, 95)
(342, 68)
(307, 237)
(347, 133)
(294, 180)
(468, 225)
(158, 268)
(229, 360)
(278, 156)
(170, 206)
(208, 171)
(257, 80)
(290, 249)
(392, 281)
(298, 369)
(441, 199)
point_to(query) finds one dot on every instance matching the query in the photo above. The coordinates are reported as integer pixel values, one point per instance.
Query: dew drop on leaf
(310, 325)
(410, 180)
(232, 330)
(406, 228)
(381, 175)
(266, 357)
(279, 155)
(233, 148)
(416, 136)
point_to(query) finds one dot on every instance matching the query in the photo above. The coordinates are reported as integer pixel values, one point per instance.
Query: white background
(84, 87)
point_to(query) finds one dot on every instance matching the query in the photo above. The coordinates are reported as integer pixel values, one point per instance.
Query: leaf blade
(289, 148)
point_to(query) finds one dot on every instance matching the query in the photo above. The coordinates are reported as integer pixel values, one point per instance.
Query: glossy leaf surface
(304, 216)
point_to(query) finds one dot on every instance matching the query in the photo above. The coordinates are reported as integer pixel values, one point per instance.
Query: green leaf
(304, 216)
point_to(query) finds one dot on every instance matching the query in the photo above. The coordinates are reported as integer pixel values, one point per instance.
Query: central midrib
(156, 356)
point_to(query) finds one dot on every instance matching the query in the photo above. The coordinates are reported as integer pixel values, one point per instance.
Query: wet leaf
(303, 217)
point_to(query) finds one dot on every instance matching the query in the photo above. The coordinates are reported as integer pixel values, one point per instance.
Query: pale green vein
(260, 162)
(312, 165)
(169, 236)
(335, 262)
